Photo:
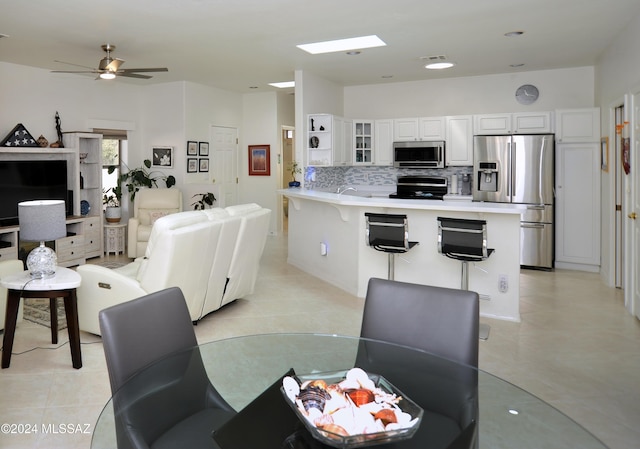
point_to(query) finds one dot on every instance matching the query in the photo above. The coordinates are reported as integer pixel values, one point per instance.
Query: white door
(632, 233)
(224, 154)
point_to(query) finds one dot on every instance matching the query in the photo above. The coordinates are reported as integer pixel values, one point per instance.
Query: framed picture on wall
(204, 149)
(204, 165)
(259, 160)
(192, 148)
(162, 157)
(192, 165)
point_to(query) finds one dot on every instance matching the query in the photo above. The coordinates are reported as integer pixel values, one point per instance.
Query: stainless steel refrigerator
(520, 169)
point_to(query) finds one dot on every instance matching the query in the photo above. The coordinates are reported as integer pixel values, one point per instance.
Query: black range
(420, 188)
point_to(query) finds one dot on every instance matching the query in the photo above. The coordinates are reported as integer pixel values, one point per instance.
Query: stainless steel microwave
(418, 154)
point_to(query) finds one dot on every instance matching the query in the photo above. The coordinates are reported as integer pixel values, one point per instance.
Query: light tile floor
(576, 348)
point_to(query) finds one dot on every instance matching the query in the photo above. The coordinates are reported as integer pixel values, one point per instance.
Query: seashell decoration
(354, 406)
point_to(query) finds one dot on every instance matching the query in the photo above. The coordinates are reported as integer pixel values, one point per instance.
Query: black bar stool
(388, 233)
(466, 241)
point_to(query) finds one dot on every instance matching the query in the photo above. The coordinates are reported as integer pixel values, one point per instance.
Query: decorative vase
(113, 214)
(294, 184)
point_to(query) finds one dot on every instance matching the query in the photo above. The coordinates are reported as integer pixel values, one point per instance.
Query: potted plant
(294, 170)
(111, 199)
(205, 201)
(140, 177)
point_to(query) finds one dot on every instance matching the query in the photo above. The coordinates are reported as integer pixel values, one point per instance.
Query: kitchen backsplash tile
(326, 177)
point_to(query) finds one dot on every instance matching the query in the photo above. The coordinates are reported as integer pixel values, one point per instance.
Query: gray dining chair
(439, 320)
(175, 405)
(443, 322)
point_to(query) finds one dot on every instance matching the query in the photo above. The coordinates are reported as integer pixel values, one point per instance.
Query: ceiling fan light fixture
(107, 75)
(439, 65)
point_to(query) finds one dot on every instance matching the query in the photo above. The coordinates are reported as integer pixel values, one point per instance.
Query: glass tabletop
(242, 368)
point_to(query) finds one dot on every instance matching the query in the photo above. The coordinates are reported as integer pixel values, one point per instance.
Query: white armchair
(180, 254)
(8, 267)
(149, 206)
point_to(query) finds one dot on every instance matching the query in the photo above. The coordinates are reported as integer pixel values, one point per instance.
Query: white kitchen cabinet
(362, 142)
(513, 123)
(347, 142)
(578, 206)
(459, 143)
(383, 142)
(419, 128)
(578, 125)
(324, 140)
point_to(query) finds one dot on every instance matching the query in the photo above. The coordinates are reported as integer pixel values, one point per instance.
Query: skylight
(354, 43)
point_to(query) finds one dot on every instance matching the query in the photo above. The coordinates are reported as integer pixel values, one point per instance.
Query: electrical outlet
(503, 283)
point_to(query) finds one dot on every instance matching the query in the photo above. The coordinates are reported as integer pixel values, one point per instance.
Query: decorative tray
(350, 409)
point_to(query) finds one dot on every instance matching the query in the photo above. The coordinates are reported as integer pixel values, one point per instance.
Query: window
(110, 159)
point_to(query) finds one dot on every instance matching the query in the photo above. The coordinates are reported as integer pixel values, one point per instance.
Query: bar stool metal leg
(391, 270)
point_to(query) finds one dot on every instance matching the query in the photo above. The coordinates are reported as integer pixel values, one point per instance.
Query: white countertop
(364, 198)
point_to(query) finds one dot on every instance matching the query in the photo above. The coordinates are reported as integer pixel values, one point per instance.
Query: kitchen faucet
(344, 188)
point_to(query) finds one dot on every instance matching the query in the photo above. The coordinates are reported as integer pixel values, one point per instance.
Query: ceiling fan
(109, 67)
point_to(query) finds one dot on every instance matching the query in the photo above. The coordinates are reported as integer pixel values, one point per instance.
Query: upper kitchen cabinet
(419, 128)
(578, 125)
(323, 143)
(515, 123)
(362, 142)
(383, 142)
(459, 142)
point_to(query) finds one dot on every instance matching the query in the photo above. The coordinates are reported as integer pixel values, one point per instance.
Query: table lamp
(42, 221)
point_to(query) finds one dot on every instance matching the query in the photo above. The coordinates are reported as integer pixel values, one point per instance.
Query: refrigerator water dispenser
(488, 176)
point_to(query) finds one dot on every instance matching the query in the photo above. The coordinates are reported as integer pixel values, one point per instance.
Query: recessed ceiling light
(515, 65)
(439, 65)
(514, 33)
(354, 43)
(387, 76)
(283, 84)
(253, 87)
(353, 53)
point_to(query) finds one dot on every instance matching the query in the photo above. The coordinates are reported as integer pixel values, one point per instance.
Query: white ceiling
(236, 44)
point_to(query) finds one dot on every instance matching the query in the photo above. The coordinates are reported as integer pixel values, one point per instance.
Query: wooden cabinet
(347, 142)
(513, 123)
(383, 142)
(362, 142)
(578, 125)
(8, 243)
(326, 141)
(92, 237)
(578, 206)
(459, 143)
(419, 128)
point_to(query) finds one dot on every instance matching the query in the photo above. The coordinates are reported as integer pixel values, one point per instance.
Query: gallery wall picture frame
(259, 160)
(604, 154)
(192, 148)
(162, 157)
(192, 165)
(203, 149)
(203, 165)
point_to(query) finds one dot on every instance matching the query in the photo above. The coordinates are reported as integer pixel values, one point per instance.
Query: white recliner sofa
(198, 251)
(149, 206)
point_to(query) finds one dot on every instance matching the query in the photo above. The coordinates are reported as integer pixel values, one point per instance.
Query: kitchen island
(319, 219)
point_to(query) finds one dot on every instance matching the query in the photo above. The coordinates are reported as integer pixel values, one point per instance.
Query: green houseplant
(204, 200)
(294, 169)
(111, 199)
(140, 177)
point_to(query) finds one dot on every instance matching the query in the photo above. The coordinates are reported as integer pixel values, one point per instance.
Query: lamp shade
(42, 220)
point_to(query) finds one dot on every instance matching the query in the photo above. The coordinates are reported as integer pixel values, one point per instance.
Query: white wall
(617, 73)
(565, 88)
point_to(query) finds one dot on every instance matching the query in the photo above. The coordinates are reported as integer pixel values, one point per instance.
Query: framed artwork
(604, 154)
(192, 148)
(204, 165)
(203, 149)
(192, 165)
(259, 162)
(162, 157)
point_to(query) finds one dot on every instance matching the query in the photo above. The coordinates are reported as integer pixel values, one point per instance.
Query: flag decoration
(19, 137)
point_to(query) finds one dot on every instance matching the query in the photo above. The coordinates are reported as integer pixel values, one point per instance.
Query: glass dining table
(463, 406)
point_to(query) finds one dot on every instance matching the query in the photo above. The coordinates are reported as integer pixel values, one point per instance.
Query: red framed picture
(259, 160)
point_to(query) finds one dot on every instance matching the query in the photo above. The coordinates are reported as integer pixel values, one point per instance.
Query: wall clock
(527, 94)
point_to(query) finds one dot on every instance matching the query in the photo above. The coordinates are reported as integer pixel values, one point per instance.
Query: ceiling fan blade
(75, 71)
(155, 69)
(71, 63)
(134, 75)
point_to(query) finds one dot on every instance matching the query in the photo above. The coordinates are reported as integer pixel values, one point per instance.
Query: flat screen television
(31, 180)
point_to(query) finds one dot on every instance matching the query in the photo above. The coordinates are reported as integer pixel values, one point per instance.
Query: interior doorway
(288, 157)
(619, 196)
